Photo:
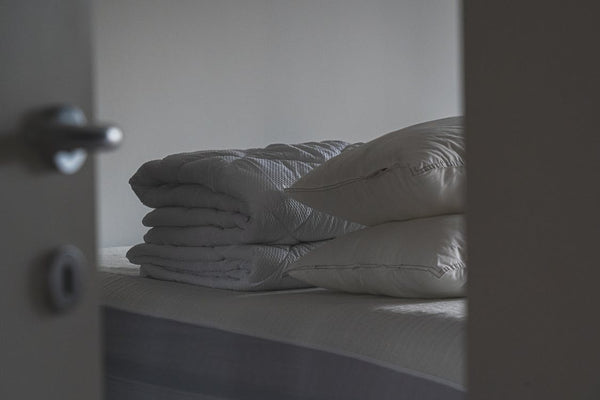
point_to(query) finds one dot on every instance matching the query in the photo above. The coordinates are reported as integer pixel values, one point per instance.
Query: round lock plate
(65, 277)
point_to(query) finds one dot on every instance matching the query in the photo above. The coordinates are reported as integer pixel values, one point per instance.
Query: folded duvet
(224, 197)
(236, 267)
(221, 218)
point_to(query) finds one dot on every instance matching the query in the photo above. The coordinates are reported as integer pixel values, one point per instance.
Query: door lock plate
(65, 275)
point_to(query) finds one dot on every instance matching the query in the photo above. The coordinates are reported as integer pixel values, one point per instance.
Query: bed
(168, 340)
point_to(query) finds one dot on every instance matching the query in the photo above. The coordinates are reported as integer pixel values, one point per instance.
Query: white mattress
(422, 337)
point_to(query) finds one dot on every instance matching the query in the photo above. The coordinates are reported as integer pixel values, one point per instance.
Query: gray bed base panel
(154, 358)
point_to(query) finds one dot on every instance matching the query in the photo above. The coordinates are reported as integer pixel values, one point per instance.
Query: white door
(50, 337)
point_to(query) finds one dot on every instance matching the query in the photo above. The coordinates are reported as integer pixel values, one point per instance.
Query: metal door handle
(63, 137)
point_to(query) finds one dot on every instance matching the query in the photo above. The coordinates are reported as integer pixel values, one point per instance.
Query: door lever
(63, 137)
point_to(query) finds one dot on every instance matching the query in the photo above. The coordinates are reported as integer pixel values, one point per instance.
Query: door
(532, 96)
(46, 353)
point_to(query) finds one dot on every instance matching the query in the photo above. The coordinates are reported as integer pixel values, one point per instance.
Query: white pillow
(423, 258)
(415, 172)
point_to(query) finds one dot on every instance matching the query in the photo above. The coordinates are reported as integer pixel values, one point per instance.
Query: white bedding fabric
(224, 197)
(419, 258)
(416, 172)
(236, 267)
(424, 337)
(223, 220)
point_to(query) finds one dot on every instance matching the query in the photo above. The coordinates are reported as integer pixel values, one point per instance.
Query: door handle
(63, 137)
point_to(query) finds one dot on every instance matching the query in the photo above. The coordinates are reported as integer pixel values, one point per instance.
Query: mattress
(167, 340)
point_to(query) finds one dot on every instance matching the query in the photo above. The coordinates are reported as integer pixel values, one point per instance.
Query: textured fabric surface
(415, 172)
(222, 219)
(227, 197)
(423, 337)
(237, 267)
(148, 357)
(424, 257)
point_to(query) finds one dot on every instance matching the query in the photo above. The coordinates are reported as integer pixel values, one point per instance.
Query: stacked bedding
(278, 218)
(222, 219)
(408, 188)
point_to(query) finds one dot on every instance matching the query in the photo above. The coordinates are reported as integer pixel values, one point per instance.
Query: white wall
(196, 74)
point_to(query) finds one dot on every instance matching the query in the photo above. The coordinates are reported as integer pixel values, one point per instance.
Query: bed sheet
(186, 341)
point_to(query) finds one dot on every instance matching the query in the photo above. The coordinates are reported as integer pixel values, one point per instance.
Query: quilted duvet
(210, 200)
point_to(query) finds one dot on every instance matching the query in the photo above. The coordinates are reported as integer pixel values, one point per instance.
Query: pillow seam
(414, 172)
(438, 272)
